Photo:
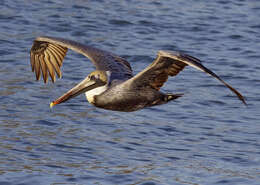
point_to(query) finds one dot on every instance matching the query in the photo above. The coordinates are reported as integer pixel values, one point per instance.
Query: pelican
(112, 85)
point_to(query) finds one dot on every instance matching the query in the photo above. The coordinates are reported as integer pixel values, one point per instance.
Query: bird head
(94, 84)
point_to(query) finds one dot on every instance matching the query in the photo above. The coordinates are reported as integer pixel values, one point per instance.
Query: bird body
(123, 98)
(112, 85)
(118, 95)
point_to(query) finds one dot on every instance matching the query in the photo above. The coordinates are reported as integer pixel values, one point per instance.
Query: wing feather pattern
(37, 67)
(170, 63)
(47, 54)
(43, 68)
(49, 66)
(46, 58)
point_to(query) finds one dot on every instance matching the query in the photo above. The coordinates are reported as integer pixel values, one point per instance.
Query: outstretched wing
(47, 55)
(169, 63)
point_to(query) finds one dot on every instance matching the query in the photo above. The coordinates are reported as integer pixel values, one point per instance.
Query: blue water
(205, 137)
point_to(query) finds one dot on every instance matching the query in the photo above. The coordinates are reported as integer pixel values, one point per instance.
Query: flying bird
(112, 85)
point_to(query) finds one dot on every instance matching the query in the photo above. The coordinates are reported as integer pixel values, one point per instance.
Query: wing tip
(36, 51)
(243, 100)
(195, 62)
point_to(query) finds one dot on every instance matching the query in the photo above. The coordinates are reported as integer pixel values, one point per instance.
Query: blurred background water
(205, 137)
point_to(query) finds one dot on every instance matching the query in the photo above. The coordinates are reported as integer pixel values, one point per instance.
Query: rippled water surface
(205, 137)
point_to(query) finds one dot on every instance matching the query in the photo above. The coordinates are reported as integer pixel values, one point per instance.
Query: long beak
(84, 86)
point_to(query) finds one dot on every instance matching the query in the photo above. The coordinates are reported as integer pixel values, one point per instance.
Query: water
(205, 137)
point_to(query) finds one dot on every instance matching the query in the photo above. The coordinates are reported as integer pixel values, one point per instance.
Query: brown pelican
(112, 85)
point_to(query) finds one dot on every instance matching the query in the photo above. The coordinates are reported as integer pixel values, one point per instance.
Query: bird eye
(92, 77)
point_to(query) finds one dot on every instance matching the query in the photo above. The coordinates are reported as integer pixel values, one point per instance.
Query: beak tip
(52, 104)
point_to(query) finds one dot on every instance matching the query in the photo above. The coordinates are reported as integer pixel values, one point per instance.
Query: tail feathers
(169, 97)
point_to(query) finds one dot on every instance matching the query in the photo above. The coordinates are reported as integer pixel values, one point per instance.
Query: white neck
(97, 91)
